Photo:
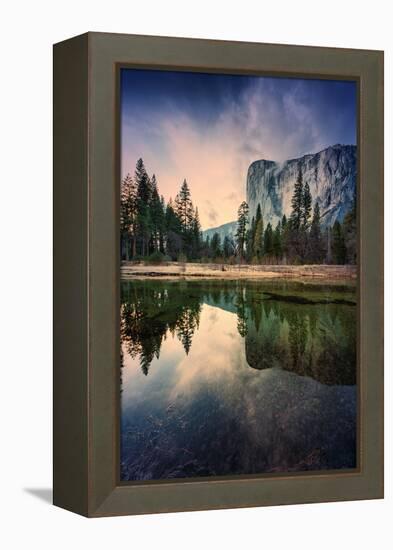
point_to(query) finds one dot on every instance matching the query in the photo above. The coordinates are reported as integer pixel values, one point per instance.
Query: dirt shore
(174, 270)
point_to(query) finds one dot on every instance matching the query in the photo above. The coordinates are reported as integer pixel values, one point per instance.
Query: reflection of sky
(209, 128)
(216, 361)
(175, 372)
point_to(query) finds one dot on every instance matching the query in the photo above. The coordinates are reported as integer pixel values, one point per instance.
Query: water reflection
(149, 311)
(240, 377)
(311, 338)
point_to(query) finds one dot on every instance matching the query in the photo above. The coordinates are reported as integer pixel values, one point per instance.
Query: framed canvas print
(218, 274)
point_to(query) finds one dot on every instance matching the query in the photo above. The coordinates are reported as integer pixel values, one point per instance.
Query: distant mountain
(331, 175)
(223, 230)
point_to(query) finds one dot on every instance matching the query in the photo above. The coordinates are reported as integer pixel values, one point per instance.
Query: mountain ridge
(226, 229)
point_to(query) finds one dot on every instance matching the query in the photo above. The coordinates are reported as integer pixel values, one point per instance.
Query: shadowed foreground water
(236, 377)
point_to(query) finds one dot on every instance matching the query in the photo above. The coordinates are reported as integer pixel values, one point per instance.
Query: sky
(208, 129)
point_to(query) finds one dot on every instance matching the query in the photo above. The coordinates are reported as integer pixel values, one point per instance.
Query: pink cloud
(214, 159)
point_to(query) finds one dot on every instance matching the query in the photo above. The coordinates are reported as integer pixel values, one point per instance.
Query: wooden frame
(86, 274)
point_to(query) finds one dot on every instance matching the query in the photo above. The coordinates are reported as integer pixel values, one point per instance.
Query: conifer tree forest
(155, 230)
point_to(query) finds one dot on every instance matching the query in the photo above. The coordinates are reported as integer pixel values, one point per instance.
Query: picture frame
(87, 267)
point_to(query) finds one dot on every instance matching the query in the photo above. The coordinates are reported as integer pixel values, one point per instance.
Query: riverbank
(175, 270)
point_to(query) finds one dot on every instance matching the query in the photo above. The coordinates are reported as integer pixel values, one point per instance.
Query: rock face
(331, 175)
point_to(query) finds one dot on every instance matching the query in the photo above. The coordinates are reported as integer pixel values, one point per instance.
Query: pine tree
(257, 231)
(277, 242)
(184, 207)
(258, 214)
(316, 249)
(228, 247)
(338, 244)
(307, 202)
(143, 183)
(297, 202)
(295, 240)
(349, 232)
(242, 222)
(206, 248)
(285, 236)
(215, 245)
(144, 192)
(249, 245)
(196, 235)
(250, 239)
(162, 231)
(128, 193)
(327, 239)
(258, 239)
(156, 216)
(268, 240)
(185, 212)
(173, 226)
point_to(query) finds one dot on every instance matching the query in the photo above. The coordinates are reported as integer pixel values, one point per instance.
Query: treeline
(154, 230)
(150, 228)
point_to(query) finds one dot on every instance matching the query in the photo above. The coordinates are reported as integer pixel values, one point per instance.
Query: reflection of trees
(297, 339)
(316, 340)
(148, 311)
(140, 336)
(241, 311)
(186, 325)
(263, 343)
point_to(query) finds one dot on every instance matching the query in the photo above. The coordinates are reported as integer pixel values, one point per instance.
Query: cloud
(211, 212)
(212, 215)
(233, 196)
(264, 121)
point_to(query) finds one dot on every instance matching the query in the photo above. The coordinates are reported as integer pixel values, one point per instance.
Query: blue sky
(208, 128)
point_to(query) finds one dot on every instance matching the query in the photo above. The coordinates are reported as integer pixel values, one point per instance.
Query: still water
(236, 377)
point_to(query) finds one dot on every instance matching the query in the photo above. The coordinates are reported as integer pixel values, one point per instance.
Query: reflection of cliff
(309, 340)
